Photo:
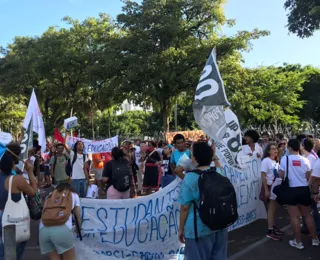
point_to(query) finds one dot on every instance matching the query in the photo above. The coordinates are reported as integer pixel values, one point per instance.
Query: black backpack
(121, 175)
(218, 207)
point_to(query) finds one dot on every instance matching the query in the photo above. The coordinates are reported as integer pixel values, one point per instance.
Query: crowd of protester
(139, 168)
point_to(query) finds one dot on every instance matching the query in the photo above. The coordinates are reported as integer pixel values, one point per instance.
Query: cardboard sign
(70, 122)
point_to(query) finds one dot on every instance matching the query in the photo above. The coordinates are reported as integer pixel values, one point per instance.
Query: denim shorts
(58, 238)
(20, 246)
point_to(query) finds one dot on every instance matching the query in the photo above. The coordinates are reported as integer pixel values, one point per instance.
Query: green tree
(165, 45)
(303, 17)
(64, 66)
(12, 113)
(311, 93)
(268, 95)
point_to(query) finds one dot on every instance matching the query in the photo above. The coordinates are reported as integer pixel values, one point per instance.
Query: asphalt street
(247, 243)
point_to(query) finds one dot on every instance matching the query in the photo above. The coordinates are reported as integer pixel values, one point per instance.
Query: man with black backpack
(208, 207)
(58, 165)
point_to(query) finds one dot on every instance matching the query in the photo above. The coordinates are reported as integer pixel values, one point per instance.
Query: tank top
(4, 193)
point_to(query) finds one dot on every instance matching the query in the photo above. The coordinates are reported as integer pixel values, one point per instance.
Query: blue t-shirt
(189, 193)
(177, 155)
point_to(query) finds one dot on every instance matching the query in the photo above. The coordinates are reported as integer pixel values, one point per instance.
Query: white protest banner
(147, 228)
(101, 146)
(5, 138)
(247, 183)
(141, 228)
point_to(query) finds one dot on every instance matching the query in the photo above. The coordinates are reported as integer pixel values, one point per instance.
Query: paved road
(247, 243)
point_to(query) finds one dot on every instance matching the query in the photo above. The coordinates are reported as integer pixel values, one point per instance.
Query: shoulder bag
(17, 213)
(282, 191)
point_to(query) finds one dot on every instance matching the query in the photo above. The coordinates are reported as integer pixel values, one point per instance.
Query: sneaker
(295, 244)
(272, 235)
(278, 231)
(315, 242)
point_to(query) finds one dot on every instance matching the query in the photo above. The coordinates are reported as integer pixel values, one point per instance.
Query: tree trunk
(46, 110)
(92, 125)
(166, 119)
(109, 125)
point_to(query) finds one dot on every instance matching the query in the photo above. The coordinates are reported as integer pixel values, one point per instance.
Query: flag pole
(16, 156)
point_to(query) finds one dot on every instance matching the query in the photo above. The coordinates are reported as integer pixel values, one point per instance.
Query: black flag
(210, 99)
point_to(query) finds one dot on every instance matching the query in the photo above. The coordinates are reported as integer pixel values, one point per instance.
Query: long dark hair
(75, 151)
(266, 153)
(6, 163)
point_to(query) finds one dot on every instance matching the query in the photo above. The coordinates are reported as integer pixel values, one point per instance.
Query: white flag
(38, 126)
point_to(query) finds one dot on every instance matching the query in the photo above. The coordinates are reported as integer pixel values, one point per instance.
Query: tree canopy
(152, 54)
(303, 17)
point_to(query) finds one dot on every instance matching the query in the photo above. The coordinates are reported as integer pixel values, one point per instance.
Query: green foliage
(303, 17)
(153, 54)
(12, 113)
(132, 123)
(268, 95)
(63, 66)
(172, 40)
(311, 93)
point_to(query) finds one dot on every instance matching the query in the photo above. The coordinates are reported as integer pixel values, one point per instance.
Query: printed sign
(147, 228)
(102, 146)
(230, 145)
(5, 138)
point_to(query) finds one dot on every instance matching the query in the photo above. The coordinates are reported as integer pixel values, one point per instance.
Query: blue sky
(32, 17)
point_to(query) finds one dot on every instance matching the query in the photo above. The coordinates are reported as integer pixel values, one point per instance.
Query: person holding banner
(251, 148)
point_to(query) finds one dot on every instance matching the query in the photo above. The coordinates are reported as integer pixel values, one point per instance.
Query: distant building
(129, 106)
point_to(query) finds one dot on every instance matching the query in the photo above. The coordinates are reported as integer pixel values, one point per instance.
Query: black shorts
(300, 196)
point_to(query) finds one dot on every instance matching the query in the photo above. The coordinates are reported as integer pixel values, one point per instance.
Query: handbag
(35, 206)
(282, 191)
(17, 213)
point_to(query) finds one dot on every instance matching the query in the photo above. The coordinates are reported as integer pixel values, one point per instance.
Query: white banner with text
(147, 228)
(99, 146)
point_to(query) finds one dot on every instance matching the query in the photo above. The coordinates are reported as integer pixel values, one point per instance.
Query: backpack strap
(195, 221)
(74, 158)
(195, 206)
(55, 162)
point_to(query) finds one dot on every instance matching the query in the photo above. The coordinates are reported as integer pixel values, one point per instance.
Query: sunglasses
(283, 143)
